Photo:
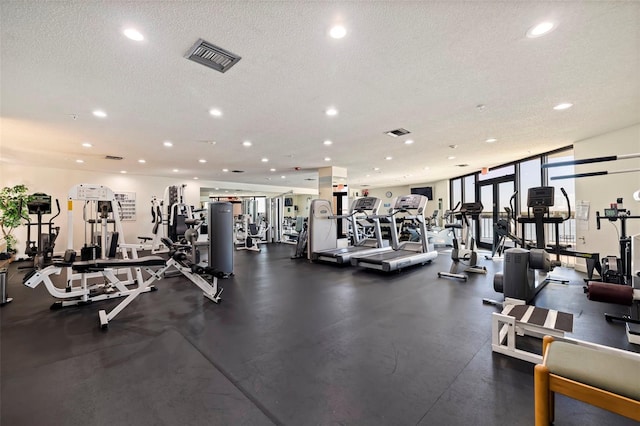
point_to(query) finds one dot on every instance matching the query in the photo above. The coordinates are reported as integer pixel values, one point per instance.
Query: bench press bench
(602, 376)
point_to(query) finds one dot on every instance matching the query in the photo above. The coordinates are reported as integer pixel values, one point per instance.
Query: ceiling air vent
(462, 165)
(113, 157)
(237, 171)
(212, 56)
(309, 179)
(397, 132)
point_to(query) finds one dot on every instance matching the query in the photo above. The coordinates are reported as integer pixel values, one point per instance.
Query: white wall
(600, 191)
(57, 182)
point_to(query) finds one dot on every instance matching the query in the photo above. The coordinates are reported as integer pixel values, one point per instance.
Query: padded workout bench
(605, 377)
(518, 319)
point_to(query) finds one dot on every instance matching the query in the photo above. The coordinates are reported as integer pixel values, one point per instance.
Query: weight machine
(526, 271)
(620, 276)
(183, 258)
(177, 212)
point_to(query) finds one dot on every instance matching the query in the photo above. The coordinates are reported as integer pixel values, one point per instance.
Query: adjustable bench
(602, 376)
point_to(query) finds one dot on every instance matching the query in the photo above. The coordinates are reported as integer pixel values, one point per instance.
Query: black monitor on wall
(427, 191)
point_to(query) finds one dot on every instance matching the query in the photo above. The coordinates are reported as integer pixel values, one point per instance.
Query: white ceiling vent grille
(212, 56)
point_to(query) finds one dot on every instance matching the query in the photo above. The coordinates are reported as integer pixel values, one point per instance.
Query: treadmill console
(411, 202)
(474, 208)
(366, 203)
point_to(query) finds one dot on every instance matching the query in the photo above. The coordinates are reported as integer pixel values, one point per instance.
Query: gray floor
(291, 343)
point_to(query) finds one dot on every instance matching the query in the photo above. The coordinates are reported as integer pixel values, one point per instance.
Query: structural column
(332, 186)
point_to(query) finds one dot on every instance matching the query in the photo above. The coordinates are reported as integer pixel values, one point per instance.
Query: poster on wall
(127, 202)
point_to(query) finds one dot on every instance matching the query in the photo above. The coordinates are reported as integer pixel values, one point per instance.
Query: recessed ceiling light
(388, 158)
(376, 168)
(283, 177)
(202, 160)
(272, 170)
(123, 171)
(426, 168)
(168, 144)
(331, 112)
(327, 159)
(367, 176)
(265, 160)
(338, 31)
(562, 106)
(540, 29)
(491, 140)
(327, 142)
(176, 170)
(79, 161)
(99, 113)
(87, 145)
(133, 34)
(195, 178)
(246, 143)
(225, 170)
(451, 157)
(215, 112)
(408, 141)
(142, 161)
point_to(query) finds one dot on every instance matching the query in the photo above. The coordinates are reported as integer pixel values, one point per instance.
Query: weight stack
(220, 216)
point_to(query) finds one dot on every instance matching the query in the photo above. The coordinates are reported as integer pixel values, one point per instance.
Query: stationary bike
(468, 254)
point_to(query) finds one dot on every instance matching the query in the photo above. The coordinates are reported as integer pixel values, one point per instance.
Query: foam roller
(610, 293)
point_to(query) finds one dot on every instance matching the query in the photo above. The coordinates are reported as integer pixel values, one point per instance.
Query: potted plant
(13, 208)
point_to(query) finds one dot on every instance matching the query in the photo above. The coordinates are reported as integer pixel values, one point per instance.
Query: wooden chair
(602, 376)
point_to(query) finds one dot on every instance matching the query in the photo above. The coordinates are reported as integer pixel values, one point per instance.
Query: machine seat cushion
(100, 264)
(611, 371)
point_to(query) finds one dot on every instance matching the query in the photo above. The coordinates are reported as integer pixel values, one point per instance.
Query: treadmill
(407, 253)
(368, 206)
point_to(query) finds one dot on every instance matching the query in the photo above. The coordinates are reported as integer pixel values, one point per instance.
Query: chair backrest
(253, 229)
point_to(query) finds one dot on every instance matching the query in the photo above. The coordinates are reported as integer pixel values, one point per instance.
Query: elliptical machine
(41, 249)
(502, 230)
(520, 279)
(468, 254)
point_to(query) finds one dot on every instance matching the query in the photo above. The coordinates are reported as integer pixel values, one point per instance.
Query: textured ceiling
(424, 66)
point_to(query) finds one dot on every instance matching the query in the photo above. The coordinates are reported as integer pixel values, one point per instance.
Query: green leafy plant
(13, 208)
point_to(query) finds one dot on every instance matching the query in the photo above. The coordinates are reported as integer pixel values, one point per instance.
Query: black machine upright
(520, 278)
(41, 249)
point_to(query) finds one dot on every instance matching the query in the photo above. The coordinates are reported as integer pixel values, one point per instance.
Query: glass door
(495, 195)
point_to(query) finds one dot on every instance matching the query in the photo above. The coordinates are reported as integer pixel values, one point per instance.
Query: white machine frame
(505, 329)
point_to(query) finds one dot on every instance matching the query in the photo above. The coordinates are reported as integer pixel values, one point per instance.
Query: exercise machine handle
(512, 205)
(566, 197)
(57, 214)
(598, 220)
